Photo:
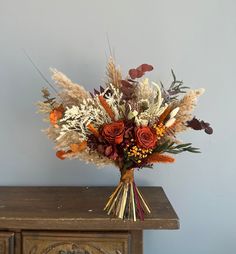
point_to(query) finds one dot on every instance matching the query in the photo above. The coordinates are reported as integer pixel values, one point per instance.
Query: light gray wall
(196, 38)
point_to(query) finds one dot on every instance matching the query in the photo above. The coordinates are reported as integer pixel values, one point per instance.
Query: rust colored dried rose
(145, 137)
(113, 132)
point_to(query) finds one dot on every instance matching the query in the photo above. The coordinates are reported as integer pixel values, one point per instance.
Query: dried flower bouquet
(130, 123)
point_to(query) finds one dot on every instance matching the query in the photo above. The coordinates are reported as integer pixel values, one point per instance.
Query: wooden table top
(77, 208)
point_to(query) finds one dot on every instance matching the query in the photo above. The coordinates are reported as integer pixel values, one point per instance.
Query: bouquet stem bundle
(127, 202)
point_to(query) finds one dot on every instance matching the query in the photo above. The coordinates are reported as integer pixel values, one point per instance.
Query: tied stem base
(127, 202)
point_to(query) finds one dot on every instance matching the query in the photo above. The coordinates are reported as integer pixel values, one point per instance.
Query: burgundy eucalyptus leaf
(145, 67)
(136, 73)
(127, 89)
(139, 73)
(126, 83)
(133, 73)
(194, 124)
(209, 130)
(199, 125)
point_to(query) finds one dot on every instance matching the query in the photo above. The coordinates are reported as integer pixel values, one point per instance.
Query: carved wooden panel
(76, 243)
(6, 243)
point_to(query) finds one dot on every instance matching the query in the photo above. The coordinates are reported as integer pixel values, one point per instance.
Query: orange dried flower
(76, 148)
(93, 130)
(145, 137)
(106, 107)
(157, 157)
(164, 115)
(114, 132)
(60, 154)
(56, 114)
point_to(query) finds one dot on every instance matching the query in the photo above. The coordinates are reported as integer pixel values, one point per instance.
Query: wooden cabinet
(76, 243)
(6, 243)
(71, 220)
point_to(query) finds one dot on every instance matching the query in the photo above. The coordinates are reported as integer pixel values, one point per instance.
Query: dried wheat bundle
(113, 73)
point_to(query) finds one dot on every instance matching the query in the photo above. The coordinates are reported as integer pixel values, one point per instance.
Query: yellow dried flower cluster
(137, 152)
(160, 130)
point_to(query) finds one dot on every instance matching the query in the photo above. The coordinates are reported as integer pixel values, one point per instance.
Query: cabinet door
(75, 243)
(6, 243)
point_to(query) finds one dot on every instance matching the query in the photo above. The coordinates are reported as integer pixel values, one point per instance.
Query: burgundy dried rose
(113, 132)
(145, 137)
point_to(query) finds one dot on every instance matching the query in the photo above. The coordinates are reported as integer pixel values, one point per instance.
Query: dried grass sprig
(43, 107)
(71, 94)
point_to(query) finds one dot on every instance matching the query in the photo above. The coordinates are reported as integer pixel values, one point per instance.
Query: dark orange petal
(52, 117)
(118, 139)
(93, 130)
(55, 115)
(60, 154)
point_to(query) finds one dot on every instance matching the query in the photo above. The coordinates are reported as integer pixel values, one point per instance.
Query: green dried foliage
(176, 87)
(170, 147)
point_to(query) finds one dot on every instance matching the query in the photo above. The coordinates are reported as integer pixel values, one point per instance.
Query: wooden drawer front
(6, 243)
(75, 243)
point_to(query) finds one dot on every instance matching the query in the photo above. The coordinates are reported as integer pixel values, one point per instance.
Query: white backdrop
(195, 38)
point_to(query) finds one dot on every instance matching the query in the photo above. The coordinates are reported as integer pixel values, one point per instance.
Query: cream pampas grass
(71, 94)
(186, 107)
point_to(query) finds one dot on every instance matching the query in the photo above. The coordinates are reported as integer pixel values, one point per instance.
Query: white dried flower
(77, 118)
(132, 114)
(170, 122)
(174, 112)
(114, 100)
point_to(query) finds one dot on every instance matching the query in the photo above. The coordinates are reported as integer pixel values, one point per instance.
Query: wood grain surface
(6, 243)
(77, 208)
